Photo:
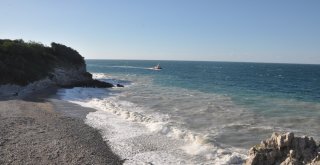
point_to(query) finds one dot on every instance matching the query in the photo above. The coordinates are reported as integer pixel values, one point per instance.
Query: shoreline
(33, 130)
(45, 128)
(138, 140)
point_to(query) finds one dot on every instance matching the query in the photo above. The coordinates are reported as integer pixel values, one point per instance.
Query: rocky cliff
(30, 66)
(285, 149)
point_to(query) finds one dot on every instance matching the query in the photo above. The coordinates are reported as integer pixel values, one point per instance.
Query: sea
(198, 112)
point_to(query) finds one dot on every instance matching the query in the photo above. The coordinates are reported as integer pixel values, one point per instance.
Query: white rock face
(285, 149)
(60, 76)
(64, 76)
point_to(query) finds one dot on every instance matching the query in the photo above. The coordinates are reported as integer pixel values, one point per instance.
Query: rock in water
(285, 149)
(119, 85)
(89, 84)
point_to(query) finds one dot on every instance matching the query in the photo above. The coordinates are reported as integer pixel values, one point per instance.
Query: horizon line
(256, 62)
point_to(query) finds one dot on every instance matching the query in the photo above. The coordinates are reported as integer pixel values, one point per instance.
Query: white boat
(157, 67)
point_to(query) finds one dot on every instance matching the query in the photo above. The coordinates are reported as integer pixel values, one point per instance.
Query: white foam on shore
(132, 141)
(144, 137)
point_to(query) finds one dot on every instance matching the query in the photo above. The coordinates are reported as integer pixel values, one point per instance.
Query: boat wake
(132, 67)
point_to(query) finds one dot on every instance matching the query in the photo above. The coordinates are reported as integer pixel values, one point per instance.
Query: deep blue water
(256, 86)
(291, 81)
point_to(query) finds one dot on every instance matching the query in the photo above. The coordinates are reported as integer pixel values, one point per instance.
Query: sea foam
(130, 120)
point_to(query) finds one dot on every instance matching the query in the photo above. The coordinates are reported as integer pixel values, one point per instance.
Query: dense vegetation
(24, 62)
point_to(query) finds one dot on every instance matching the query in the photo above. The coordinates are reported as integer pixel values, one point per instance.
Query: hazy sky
(216, 30)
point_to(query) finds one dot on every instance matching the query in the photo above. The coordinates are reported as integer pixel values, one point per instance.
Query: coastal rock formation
(29, 66)
(63, 76)
(76, 77)
(285, 149)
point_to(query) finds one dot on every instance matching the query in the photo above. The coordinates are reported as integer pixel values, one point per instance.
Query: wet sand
(35, 130)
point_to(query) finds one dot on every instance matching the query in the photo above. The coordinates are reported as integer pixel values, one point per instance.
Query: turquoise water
(232, 104)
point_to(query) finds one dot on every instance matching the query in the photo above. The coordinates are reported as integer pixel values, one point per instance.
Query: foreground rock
(285, 149)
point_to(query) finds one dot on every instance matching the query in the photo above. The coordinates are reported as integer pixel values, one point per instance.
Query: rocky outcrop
(61, 77)
(76, 77)
(26, 67)
(89, 84)
(285, 149)
(67, 76)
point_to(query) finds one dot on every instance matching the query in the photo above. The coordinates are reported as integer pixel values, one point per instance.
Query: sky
(282, 31)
